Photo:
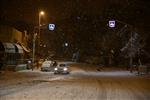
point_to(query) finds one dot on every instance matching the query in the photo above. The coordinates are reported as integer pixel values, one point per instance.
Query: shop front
(10, 54)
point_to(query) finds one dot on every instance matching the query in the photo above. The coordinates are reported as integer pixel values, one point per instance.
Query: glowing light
(42, 13)
(66, 44)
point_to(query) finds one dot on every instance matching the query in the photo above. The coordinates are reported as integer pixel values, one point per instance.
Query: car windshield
(62, 65)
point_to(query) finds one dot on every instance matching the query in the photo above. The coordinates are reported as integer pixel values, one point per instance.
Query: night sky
(27, 10)
(18, 12)
(81, 22)
(55, 9)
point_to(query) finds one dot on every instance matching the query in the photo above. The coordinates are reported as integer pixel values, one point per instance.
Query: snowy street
(82, 83)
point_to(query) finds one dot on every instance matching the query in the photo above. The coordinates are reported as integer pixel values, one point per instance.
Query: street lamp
(41, 13)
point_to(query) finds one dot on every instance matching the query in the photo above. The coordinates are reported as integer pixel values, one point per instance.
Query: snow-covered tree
(132, 47)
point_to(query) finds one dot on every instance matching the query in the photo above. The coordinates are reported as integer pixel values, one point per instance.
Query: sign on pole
(112, 23)
(51, 27)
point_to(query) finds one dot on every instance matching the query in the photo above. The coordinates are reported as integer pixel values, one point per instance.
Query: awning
(19, 48)
(25, 49)
(9, 48)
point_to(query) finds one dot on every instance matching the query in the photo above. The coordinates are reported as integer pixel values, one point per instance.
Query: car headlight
(65, 69)
(55, 69)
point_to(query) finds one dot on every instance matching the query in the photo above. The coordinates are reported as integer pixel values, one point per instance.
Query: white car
(47, 66)
(61, 68)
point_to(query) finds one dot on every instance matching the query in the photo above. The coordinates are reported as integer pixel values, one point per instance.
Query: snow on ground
(53, 91)
(80, 84)
(37, 87)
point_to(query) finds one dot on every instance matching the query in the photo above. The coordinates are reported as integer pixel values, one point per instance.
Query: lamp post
(35, 35)
(41, 13)
(33, 58)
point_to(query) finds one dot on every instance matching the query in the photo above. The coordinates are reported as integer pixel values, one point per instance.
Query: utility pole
(33, 53)
(41, 13)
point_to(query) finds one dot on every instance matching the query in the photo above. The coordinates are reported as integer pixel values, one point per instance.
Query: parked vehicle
(47, 66)
(61, 68)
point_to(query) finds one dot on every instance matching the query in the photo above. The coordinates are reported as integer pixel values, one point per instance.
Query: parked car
(47, 66)
(61, 68)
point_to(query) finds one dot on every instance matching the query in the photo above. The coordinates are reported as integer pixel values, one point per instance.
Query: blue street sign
(51, 27)
(112, 23)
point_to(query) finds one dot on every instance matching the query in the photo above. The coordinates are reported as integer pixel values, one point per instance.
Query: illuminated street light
(41, 13)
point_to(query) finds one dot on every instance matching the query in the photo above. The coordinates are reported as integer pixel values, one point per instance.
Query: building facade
(13, 45)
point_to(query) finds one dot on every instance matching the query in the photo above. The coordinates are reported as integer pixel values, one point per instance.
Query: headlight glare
(55, 68)
(65, 69)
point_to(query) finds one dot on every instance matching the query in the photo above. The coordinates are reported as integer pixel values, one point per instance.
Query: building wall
(9, 34)
(16, 36)
(5, 33)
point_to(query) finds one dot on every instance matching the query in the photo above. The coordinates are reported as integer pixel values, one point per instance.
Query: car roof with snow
(48, 61)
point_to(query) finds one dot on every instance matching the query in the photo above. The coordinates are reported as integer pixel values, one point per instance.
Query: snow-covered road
(80, 84)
